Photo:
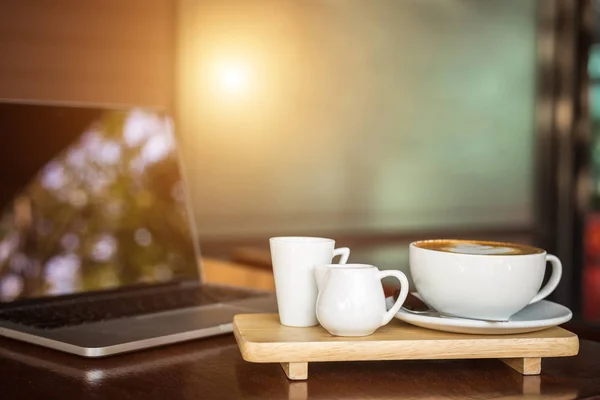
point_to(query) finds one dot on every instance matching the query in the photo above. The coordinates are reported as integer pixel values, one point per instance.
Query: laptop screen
(91, 200)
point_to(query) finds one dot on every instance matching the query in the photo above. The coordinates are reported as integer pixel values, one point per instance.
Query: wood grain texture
(263, 339)
(525, 366)
(213, 368)
(236, 274)
(295, 371)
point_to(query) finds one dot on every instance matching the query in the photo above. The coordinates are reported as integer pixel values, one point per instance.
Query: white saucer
(541, 315)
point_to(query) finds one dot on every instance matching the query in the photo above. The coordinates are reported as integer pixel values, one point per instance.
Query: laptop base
(105, 338)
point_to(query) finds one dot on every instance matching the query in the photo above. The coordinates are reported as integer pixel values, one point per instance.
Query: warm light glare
(233, 78)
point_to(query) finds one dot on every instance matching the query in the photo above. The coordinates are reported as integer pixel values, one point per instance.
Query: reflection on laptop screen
(100, 203)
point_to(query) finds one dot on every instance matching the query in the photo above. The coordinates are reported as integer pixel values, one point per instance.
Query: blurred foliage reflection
(108, 211)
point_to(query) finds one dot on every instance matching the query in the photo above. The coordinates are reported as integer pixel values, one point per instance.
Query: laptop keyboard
(99, 308)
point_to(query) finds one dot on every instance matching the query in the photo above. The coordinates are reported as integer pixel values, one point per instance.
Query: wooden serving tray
(262, 339)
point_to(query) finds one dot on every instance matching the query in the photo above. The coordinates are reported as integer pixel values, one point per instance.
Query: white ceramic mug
(480, 279)
(351, 301)
(294, 260)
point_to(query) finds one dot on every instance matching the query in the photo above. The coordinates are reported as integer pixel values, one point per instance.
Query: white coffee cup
(479, 279)
(294, 259)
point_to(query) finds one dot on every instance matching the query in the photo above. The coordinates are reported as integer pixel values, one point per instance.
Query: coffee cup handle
(387, 317)
(344, 253)
(552, 282)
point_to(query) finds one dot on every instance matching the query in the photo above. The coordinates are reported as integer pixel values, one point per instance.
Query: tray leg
(296, 371)
(525, 366)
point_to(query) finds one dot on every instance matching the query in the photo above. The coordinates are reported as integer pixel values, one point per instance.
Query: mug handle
(387, 317)
(552, 282)
(344, 252)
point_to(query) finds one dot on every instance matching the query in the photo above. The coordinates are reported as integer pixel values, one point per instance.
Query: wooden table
(237, 274)
(213, 369)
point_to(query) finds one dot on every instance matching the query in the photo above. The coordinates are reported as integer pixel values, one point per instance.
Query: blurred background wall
(99, 51)
(337, 116)
(346, 117)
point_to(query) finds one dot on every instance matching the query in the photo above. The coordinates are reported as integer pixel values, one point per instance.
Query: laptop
(99, 253)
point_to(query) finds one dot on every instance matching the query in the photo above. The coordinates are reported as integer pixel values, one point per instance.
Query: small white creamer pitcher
(351, 301)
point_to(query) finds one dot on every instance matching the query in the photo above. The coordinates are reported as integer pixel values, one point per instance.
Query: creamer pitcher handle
(387, 317)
